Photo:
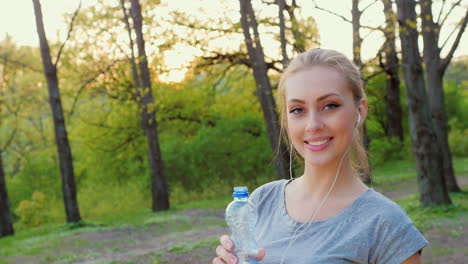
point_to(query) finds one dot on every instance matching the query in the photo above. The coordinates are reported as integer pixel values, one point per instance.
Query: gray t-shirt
(373, 229)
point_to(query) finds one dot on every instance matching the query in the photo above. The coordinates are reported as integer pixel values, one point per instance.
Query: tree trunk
(392, 94)
(264, 91)
(282, 28)
(61, 137)
(428, 159)
(434, 73)
(357, 43)
(357, 40)
(136, 78)
(6, 222)
(299, 43)
(160, 196)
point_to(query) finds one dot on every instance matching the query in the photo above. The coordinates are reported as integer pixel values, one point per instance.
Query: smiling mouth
(318, 143)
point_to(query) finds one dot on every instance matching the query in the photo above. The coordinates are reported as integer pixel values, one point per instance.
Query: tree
(6, 222)
(282, 27)
(61, 137)
(435, 69)
(429, 162)
(160, 196)
(394, 126)
(264, 91)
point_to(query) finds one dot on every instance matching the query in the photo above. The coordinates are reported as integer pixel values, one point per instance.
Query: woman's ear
(362, 109)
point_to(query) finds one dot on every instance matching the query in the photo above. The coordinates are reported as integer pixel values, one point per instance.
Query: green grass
(426, 218)
(49, 238)
(393, 172)
(186, 247)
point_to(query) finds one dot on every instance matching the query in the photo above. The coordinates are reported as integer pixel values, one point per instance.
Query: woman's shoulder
(395, 238)
(268, 191)
(379, 208)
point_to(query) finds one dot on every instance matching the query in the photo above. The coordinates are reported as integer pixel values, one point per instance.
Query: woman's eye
(296, 110)
(331, 106)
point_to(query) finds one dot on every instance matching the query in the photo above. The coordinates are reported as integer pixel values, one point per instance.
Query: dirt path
(408, 187)
(190, 236)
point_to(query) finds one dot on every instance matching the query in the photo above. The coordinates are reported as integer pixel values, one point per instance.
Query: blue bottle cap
(240, 192)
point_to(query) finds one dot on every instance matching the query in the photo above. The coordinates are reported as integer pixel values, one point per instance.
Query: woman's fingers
(218, 260)
(261, 254)
(226, 242)
(225, 255)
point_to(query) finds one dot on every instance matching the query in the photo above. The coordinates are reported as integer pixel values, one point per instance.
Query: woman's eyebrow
(326, 95)
(295, 100)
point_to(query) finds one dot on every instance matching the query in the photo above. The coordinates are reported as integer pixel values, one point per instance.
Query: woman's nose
(314, 122)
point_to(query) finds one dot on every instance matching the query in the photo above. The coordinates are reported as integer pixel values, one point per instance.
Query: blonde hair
(340, 63)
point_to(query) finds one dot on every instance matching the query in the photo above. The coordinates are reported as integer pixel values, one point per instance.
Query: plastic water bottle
(241, 217)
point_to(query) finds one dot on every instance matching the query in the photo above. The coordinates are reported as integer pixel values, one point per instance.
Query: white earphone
(358, 121)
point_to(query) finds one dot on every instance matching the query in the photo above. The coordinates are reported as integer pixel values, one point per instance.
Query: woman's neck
(317, 181)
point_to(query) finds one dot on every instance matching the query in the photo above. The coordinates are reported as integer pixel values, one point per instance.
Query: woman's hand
(224, 254)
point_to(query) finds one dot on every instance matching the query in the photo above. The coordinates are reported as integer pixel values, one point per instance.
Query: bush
(233, 152)
(383, 149)
(458, 141)
(32, 213)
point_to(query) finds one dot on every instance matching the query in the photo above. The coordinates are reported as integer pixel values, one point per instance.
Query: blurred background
(141, 116)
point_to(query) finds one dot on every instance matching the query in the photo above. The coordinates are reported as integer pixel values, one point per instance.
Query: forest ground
(191, 235)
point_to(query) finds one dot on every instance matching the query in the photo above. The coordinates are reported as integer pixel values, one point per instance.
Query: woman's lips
(318, 145)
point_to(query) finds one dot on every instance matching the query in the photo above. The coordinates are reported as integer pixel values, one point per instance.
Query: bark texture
(61, 137)
(435, 72)
(6, 222)
(160, 196)
(357, 43)
(394, 126)
(282, 27)
(264, 91)
(429, 162)
(357, 40)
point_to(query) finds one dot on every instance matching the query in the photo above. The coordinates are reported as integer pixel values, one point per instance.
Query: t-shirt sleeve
(398, 243)
(254, 197)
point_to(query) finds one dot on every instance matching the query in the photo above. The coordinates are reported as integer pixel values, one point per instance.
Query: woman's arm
(415, 259)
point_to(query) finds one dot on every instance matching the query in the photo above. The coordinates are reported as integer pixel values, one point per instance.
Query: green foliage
(456, 105)
(32, 212)
(458, 141)
(228, 150)
(384, 149)
(393, 171)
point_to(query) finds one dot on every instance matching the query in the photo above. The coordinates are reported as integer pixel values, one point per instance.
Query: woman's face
(321, 114)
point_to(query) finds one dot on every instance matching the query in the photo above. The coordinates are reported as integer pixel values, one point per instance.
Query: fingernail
(233, 260)
(229, 244)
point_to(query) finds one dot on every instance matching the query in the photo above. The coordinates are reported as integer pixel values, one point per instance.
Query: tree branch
(12, 135)
(88, 81)
(269, 3)
(445, 62)
(68, 35)
(441, 11)
(7, 60)
(331, 12)
(369, 5)
(448, 37)
(448, 13)
(345, 18)
(375, 74)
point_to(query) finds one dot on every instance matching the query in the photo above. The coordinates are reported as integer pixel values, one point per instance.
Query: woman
(328, 215)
